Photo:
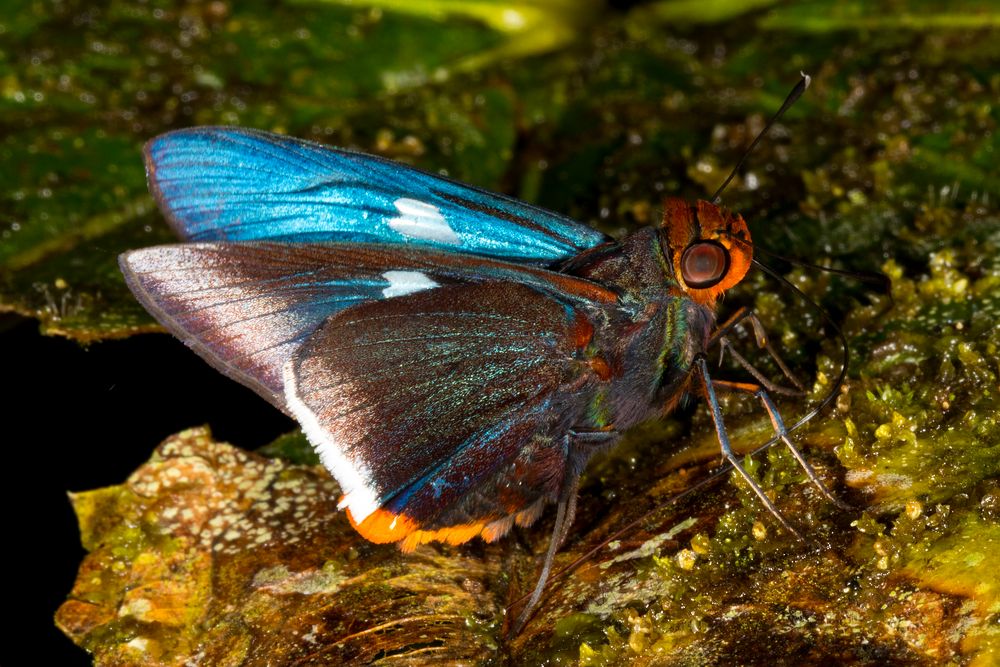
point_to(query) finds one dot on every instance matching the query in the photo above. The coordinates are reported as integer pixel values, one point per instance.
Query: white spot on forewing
(402, 283)
(421, 220)
(354, 479)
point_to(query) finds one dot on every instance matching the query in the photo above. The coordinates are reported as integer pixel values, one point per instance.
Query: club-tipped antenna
(796, 93)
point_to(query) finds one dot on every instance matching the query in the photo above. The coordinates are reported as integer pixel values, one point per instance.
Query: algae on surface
(886, 163)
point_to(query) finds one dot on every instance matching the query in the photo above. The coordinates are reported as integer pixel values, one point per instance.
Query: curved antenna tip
(795, 94)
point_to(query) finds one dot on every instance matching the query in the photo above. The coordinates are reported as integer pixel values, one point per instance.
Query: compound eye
(704, 264)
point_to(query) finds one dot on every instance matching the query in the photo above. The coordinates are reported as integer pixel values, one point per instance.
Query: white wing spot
(421, 220)
(355, 480)
(402, 283)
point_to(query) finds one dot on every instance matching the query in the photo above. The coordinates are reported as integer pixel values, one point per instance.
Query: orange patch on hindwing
(383, 527)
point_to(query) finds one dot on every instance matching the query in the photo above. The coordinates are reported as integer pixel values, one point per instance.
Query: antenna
(796, 93)
(877, 279)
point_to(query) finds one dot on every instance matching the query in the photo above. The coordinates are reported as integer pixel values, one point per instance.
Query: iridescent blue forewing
(246, 307)
(233, 184)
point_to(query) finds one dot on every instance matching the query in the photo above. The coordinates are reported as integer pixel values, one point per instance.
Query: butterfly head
(708, 247)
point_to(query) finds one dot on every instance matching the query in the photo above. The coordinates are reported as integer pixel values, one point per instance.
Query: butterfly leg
(565, 509)
(577, 458)
(747, 315)
(727, 451)
(778, 424)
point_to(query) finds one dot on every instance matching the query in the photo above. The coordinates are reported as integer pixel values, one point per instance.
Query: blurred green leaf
(830, 15)
(695, 12)
(529, 28)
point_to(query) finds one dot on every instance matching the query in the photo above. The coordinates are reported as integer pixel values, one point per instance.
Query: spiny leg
(778, 424)
(727, 450)
(742, 315)
(725, 345)
(565, 511)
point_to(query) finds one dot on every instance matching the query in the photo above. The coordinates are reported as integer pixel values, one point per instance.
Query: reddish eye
(704, 264)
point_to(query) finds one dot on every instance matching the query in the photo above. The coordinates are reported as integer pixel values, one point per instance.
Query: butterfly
(454, 356)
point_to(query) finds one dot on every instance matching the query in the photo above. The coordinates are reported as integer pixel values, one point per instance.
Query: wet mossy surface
(887, 163)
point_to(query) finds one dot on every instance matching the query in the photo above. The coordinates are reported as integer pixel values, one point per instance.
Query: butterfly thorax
(646, 343)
